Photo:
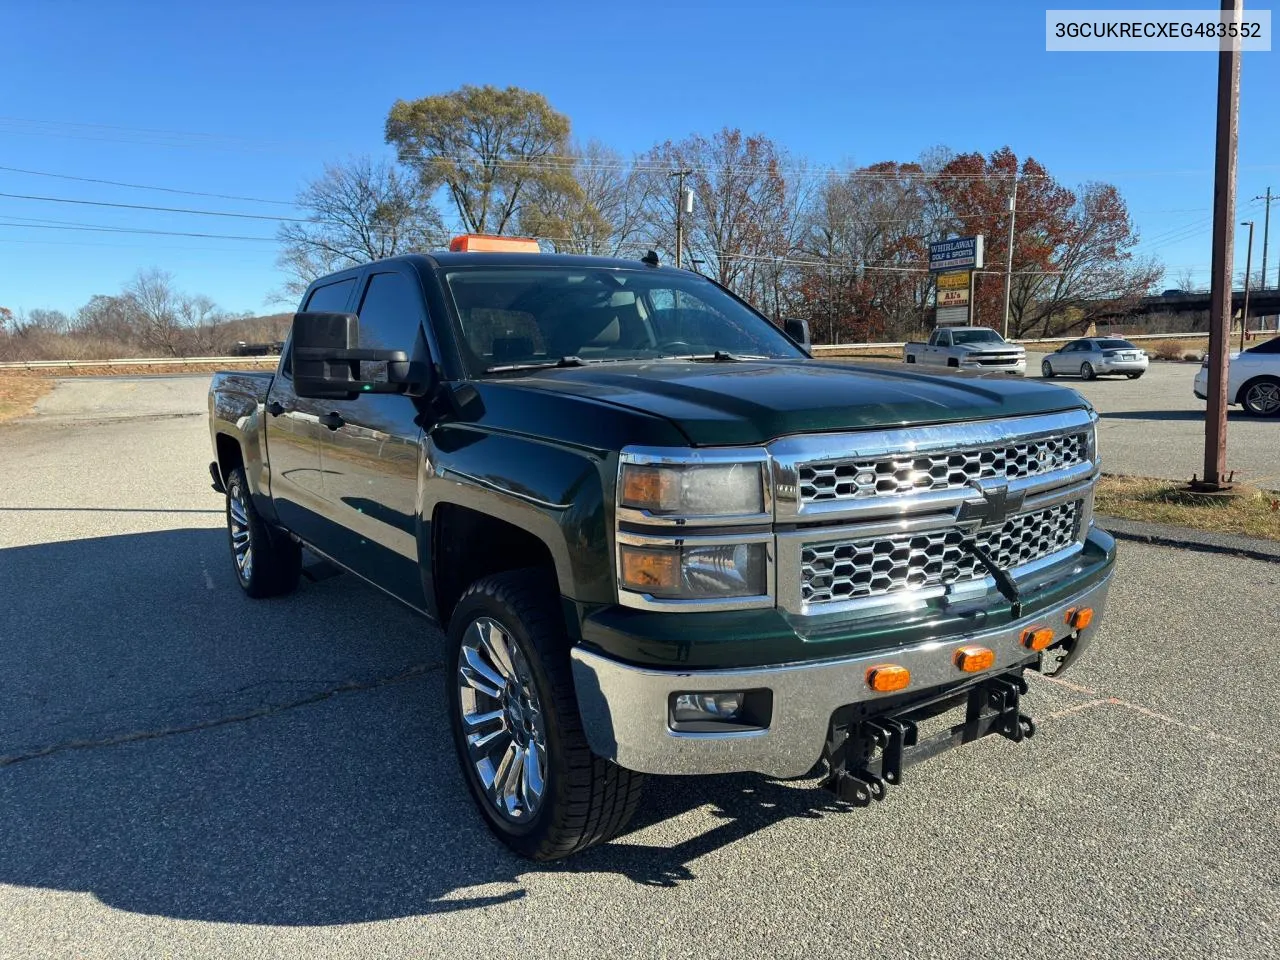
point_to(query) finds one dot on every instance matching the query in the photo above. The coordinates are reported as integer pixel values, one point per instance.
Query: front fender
(554, 492)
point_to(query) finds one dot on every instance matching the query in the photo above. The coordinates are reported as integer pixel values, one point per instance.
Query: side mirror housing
(328, 363)
(798, 330)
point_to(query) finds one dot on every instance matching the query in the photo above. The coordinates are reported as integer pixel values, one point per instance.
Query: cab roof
(445, 258)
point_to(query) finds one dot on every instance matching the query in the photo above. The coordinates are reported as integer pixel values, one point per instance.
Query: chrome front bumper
(625, 709)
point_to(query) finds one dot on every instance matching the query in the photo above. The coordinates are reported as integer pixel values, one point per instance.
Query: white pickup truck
(969, 348)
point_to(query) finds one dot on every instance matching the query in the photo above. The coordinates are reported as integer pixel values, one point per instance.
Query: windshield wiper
(569, 361)
(720, 356)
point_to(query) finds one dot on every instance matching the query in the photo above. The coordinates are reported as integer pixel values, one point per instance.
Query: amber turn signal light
(646, 488)
(1037, 639)
(888, 677)
(644, 569)
(1078, 618)
(973, 659)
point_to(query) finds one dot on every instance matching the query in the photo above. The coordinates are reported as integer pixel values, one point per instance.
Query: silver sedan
(1092, 357)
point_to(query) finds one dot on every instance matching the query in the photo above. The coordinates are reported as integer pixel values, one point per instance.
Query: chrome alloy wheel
(1264, 397)
(241, 542)
(502, 720)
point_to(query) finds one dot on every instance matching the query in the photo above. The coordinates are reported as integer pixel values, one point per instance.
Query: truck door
(369, 450)
(293, 433)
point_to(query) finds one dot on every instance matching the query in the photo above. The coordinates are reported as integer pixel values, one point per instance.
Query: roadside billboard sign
(952, 316)
(958, 253)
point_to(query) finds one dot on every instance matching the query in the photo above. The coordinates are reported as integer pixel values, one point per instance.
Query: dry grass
(19, 394)
(1159, 501)
(134, 369)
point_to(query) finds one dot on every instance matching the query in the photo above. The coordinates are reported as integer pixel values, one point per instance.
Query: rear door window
(331, 298)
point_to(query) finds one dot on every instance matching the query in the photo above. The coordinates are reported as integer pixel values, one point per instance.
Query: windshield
(515, 316)
(1116, 345)
(975, 336)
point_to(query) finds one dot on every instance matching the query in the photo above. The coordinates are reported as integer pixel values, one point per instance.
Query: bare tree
(739, 225)
(357, 212)
(202, 319)
(157, 307)
(603, 215)
(1185, 279)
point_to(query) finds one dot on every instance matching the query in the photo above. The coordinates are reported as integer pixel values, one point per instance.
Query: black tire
(1260, 397)
(1046, 371)
(953, 362)
(1087, 372)
(910, 359)
(585, 799)
(273, 561)
(1134, 376)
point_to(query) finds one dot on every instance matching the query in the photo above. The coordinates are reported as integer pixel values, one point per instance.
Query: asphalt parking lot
(187, 772)
(1154, 426)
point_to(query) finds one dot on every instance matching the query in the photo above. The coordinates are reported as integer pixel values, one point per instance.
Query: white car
(1093, 357)
(1253, 379)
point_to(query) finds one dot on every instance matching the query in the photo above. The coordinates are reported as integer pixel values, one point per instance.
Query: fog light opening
(707, 706)
(720, 711)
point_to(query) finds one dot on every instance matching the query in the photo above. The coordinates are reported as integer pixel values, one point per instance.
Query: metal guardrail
(136, 362)
(212, 361)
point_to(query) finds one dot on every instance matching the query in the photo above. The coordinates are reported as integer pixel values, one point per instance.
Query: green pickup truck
(661, 538)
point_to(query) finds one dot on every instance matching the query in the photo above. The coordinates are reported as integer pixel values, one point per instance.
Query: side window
(390, 313)
(331, 298)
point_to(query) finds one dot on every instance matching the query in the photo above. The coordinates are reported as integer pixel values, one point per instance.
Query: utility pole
(1008, 265)
(680, 205)
(1224, 217)
(1248, 266)
(1266, 231)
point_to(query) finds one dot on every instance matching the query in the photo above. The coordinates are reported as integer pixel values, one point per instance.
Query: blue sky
(252, 99)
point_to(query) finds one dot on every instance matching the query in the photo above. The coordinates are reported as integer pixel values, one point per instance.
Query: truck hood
(754, 402)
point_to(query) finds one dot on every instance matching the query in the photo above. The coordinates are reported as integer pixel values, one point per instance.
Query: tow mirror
(328, 363)
(798, 330)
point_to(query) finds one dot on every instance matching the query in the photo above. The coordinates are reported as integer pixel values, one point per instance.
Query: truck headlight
(693, 489)
(687, 570)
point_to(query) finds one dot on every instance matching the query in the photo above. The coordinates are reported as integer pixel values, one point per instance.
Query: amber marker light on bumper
(974, 659)
(1037, 639)
(1077, 618)
(888, 677)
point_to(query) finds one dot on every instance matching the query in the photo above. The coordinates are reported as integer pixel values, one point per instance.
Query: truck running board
(867, 755)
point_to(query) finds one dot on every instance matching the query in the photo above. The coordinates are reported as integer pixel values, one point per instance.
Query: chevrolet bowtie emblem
(995, 505)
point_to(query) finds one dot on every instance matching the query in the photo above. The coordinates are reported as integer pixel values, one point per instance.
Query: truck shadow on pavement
(174, 749)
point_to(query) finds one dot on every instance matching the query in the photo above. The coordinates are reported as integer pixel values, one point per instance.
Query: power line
(139, 206)
(140, 186)
(159, 233)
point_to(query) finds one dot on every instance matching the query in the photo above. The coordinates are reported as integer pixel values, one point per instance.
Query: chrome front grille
(877, 566)
(852, 478)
